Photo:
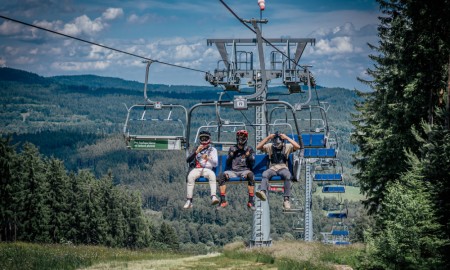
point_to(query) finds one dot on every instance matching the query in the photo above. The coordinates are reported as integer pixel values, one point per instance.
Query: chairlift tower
(236, 66)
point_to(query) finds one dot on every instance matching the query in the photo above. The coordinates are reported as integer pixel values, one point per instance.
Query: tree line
(41, 202)
(403, 137)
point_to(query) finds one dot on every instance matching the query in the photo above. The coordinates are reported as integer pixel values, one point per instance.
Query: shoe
(214, 200)
(261, 194)
(251, 206)
(287, 205)
(223, 204)
(188, 204)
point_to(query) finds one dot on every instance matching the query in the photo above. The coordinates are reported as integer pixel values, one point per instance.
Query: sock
(222, 197)
(250, 197)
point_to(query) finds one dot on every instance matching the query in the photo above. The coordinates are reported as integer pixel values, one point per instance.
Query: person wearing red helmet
(203, 159)
(240, 160)
(278, 151)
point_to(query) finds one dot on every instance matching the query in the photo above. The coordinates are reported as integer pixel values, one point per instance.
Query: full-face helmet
(204, 137)
(241, 137)
(277, 142)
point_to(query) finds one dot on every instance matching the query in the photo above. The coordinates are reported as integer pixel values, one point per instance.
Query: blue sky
(175, 31)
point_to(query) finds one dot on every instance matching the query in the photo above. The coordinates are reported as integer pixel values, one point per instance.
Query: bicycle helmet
(204, 137)
(241, 137)
(277, 142)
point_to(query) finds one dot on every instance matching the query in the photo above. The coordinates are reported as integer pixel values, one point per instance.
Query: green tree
(8, 225)
(58, 200)
(34, 210)
(408, 235)
(168, 236)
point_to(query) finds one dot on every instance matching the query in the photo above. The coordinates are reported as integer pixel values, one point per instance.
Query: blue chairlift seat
(328, 177)
(337, 215)
(320, 153)
(311, 140)
(339, 232)
(333, 189)
(261, 164)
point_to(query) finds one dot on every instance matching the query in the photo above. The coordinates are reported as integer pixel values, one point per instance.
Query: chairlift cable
(99, 45)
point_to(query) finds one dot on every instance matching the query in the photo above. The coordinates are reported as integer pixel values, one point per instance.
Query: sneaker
(261, 194)
(188, 204)
(214, 200)
(287, 205)
(223, 204)
(251, 205)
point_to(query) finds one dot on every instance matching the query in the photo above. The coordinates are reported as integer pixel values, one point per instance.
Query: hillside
(79, 119)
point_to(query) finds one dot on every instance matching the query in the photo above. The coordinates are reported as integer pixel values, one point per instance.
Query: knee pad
(221, 179)
(251, 179)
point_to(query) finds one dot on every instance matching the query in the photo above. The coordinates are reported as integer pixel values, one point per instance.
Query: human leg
(223, 178)
(212, 184)
(267, 174)
(193, 174)
(286, 175)
(251, 190)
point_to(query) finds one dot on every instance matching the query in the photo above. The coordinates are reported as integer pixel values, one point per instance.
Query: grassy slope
(281, 255)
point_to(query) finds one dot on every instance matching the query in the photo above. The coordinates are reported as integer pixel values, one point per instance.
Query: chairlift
(144, 121)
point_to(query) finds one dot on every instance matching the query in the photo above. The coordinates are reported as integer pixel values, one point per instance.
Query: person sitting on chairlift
(204, 159)
(240, 160)
(278, 151)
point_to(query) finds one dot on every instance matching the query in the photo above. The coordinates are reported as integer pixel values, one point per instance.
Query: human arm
(192, 156)
(213, 158)
(295, 145)
(261, 144)
(250, 155)
(231, 154)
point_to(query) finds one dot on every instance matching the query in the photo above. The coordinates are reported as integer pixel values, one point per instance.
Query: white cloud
(11, 50)
(183, 52)
(336, 45)
(112, 13)
(2, 62)
(87, 26)
(133, 18)
(23, 60)
(9, 28)
(80, 66)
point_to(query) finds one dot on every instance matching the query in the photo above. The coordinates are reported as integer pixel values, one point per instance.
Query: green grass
(34, 256)
(351, 194)
(295, 255)
(282, 255)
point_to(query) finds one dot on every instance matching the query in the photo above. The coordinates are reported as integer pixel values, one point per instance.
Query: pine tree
(407, 79)
(34, 212)
(58, 200)
(8, 225)
(168, 236)
(408, 235)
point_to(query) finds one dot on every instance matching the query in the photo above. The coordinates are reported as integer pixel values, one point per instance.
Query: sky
(175, 32)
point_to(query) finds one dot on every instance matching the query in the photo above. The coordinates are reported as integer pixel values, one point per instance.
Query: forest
(395, 147)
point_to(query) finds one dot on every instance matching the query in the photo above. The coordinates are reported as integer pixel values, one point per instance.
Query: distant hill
(94, 81)
(16, 75)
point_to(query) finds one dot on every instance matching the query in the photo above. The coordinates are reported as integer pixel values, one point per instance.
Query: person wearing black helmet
(204, 159)
(240, 160)
(278, 151)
